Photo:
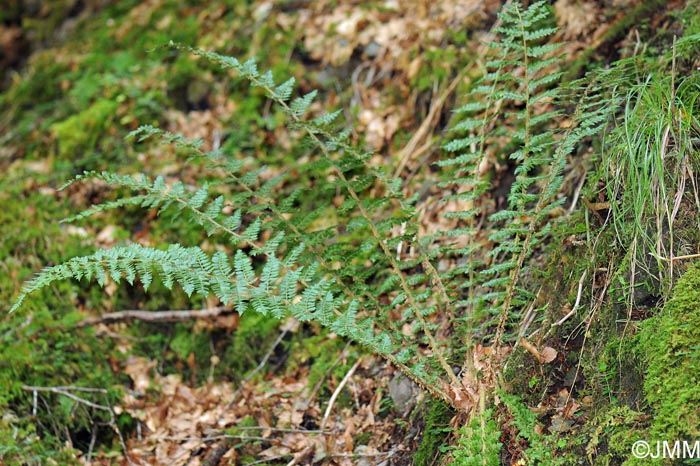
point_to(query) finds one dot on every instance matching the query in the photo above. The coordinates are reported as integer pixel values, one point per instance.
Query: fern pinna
(364, 272)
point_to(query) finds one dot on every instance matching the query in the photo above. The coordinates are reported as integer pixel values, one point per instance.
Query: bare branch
(156, 316)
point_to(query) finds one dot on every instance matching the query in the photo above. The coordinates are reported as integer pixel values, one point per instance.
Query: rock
(402, 392)
(372, 49)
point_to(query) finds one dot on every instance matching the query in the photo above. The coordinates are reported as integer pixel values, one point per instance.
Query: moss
(81, 132)
(321, 353)
(612, 434)
(437, 429)
(669, 344)
(252, 340)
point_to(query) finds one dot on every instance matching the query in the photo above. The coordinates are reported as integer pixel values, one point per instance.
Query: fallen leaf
(548, 354)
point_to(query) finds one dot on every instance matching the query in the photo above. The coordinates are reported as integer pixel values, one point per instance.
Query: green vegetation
(436, 433)
(668, 342)
(568, 212)
(479, 442)
(285, 265)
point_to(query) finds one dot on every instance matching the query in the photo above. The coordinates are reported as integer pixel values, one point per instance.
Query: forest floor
(87, 377)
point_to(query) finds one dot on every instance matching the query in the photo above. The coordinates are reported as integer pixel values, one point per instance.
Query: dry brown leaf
(139, 370)
(548, 354)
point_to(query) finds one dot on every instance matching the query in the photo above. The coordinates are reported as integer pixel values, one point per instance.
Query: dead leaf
(548, 354)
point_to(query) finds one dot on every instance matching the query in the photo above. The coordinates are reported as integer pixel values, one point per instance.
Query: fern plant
(515, 106)
(362, 269)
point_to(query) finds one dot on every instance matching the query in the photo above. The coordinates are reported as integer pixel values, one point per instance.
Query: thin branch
(268, 460)
(337, 391)
(67, 394)
(156, 316)
(257, 369)
(577, 193)
(679, 258)
(298, 457)
(407, 153)
(308, 399)
(361, 455)
(573, 309)
(93, 439)
(77, 389)
(66, 391)
(283, 429)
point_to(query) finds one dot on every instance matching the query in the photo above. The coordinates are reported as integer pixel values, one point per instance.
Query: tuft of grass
(650, 161)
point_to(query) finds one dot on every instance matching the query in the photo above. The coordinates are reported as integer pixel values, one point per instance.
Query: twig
(298, 457)
(67, 394)
(528, 318)
(214, 456)
(679, 258)
(210, 438)
(66, 391)
(595, 207)
(307, 401)
(531, 349)
(575, 308)
(361, 455)
(337, 391)
(595, 305)
(577, 193)
(283, 429)
(115, 427)
(52, 418)
(267, 460)
(76, 389)
(257, 369)
(93, 438)
(156, 316)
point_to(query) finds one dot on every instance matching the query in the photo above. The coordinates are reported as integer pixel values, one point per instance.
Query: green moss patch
(670, 343)
(81, 132)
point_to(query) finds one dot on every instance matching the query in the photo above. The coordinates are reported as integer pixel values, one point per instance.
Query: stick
(679, 258)
(155, 316)
(578, 301)
(66, 393)
(407, 152)
(337, 391)
(298, 457)
(257, 369)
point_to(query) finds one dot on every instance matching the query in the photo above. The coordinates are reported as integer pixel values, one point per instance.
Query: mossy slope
(670, 343)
